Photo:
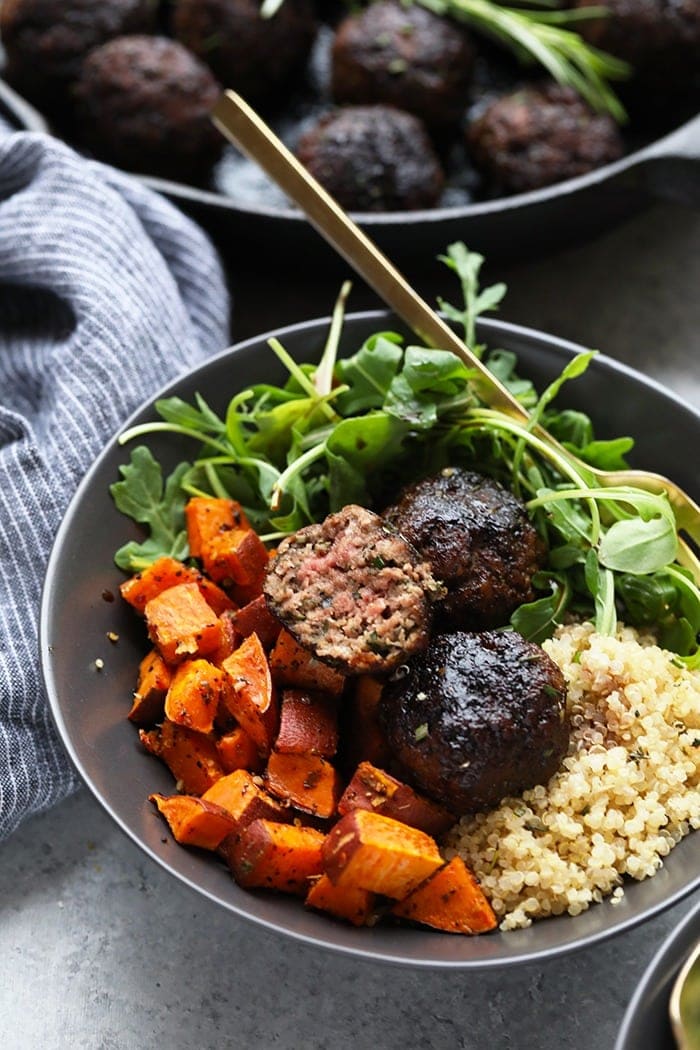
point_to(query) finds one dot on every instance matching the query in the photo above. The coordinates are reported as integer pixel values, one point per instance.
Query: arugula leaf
(467, 265)
(142, 496)
(538, 620)
(369, 373)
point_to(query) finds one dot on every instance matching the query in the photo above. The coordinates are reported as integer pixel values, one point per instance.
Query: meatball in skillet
(45, 41)
(373, 158)
(540, 135)
(145, 103)
(478, 540)
(475, 718)
(403, 56)
(352, 591)
(253, 55)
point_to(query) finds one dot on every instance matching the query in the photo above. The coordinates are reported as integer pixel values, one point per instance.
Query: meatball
(540, 135)
(478, 540)
(45, 41)
(255, 56)
(145, 104)
(405, 57)
(373, 158)
(352, 591)
(476, 718)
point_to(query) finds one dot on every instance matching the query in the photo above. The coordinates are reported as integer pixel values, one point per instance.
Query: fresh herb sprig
(353, 429)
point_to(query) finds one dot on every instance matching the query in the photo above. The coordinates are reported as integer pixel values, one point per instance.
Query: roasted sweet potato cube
(308, 723)
(243, 799)
(207, 516)
(373, 789)
(379, 854)
(364, 739)
(279, 857)
(256, 618)
(296, 668)
(196, 690)
(238, 750)
(450, 900)
(193, 821)
(153, 683)
(252, 700)
(344, 902)
(235, 557)
(230, 639)
(307, 782)
(181, 624)
(165, 573)
(191, 757)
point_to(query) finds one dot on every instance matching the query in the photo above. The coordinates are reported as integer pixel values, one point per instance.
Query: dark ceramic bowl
(646, 1025)
(90, 706)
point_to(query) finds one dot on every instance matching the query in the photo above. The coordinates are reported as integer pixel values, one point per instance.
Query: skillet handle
(670, 168)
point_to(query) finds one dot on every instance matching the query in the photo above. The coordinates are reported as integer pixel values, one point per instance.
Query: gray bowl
(90, 706)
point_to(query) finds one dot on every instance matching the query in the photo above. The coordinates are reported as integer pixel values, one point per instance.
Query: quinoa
(625, 795)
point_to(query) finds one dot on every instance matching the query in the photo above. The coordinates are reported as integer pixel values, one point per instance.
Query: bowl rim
(495, 328)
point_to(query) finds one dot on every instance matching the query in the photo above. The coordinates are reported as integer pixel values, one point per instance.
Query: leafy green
(142, 496)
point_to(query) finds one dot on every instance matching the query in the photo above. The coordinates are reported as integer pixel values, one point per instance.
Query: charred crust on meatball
(478, 540)
(476, 718)
(353, 592)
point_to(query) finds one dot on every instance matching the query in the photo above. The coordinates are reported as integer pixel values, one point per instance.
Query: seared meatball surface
(45, 41)
(255, 56)
(373, 158)
(540, 135)
(403, 56)
(352, 591)
(145, 104)
(478, 540)
(475, 718)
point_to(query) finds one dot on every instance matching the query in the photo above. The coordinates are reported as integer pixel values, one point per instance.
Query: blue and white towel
(106, 292)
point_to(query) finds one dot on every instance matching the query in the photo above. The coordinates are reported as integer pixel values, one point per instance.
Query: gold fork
(244, 127)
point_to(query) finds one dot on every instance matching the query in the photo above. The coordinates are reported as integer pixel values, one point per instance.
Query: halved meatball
(478, 540)
(475, 718)
(373, 158)
(353, 592)
(403, 56)
(540, 135)
(145, 103)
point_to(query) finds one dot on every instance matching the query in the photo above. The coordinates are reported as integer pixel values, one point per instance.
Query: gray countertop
(100, 948)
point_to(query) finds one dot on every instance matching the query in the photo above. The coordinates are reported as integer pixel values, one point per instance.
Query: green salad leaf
(141, 495)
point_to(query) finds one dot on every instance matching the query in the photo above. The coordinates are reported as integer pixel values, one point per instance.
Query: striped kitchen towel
(106, 293)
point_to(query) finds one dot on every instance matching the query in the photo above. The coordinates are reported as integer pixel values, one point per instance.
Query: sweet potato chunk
(230, 640)
(165, 573)
(308, 782)
(195, 693)
(373, 789)
(153, 683)
(450, 900)
(191, 758)
(251, 699)
(256, 618)
(296, 668)
(207, 516)
(277, 856)
(379, 854)
(235, 557)
(237, 750)
(181, 624)
(345, 902)
(193, 821)
(243, 799)
(308, 724)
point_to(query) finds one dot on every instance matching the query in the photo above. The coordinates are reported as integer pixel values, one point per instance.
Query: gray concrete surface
(102, 950)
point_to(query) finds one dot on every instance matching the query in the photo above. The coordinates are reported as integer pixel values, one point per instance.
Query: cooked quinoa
(626, 793)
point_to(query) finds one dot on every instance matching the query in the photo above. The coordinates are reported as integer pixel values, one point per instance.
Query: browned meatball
(255, 56)
(352, 591)
(145, 104)
(475, 718)
(373, 158)
(478, 540)
(406, 57)
(540, 135)
(46, 40)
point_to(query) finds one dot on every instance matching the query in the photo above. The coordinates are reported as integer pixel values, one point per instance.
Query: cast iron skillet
(267, 229)
(90, 706)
